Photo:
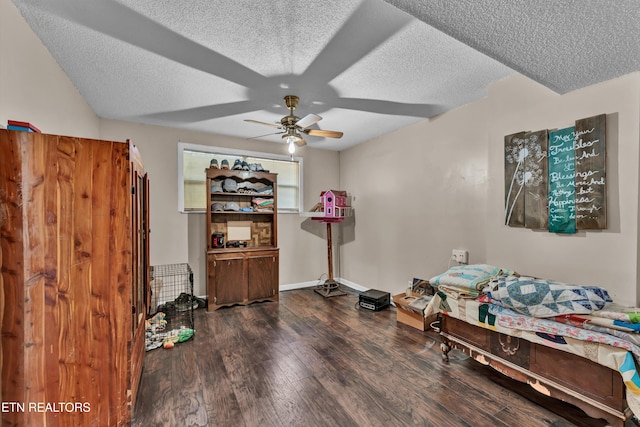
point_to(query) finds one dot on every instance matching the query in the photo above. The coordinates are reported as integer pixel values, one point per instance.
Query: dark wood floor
(315, 361)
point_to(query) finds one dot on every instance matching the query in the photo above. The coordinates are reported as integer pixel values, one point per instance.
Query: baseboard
(300, 285)
(351, 284)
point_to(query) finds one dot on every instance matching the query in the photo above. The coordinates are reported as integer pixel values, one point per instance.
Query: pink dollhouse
(334, 203)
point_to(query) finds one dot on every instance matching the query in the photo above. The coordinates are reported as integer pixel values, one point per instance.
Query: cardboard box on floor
(410, 317)
(406, 315)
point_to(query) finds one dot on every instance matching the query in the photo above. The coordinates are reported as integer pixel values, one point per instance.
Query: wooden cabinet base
(242, 277)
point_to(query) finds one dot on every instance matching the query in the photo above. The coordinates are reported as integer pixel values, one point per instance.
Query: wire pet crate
(172, 294)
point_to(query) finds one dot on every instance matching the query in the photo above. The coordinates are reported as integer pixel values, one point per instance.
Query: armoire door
(140, 293)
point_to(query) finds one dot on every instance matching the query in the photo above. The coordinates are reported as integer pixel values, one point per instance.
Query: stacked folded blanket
(261, 204)
(472, 278)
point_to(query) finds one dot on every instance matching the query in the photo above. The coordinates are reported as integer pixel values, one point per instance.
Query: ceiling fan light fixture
(292, 139)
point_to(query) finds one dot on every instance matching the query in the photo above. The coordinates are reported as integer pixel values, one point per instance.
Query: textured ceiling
(367, 67)
(562, 44)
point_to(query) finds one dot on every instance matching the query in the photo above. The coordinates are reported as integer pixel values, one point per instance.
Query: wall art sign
(556, 179)
(526, 178)
(562, 189)
(591, 206)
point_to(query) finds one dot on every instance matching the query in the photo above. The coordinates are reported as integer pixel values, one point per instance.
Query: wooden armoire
(74, 274)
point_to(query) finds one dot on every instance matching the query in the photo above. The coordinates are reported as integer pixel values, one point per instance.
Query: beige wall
(438, 185)
(419, 192)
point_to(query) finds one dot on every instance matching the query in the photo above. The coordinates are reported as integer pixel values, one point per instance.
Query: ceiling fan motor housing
(291, 101)
(289, 121)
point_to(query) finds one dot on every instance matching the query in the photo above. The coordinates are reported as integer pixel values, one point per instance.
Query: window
(194, 159)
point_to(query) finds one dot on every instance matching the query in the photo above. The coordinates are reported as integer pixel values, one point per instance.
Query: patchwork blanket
(546, 298)
(614, 319)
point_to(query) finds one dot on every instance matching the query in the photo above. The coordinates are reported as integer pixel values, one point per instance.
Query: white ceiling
(367, 67)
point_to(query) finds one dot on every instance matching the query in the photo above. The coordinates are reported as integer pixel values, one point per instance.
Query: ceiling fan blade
(308, 120)
(273, 125)
(324, 133)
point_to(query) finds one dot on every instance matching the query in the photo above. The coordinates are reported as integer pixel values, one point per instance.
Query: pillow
(470, 277)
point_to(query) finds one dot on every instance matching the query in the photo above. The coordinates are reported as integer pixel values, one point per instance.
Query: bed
(566, 341)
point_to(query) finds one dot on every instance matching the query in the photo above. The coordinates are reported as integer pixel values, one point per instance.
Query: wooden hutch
(244, 214)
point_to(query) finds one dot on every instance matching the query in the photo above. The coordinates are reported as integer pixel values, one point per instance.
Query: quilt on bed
(546, 298)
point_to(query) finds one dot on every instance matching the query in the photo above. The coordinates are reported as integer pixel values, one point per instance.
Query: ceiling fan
(292, 125)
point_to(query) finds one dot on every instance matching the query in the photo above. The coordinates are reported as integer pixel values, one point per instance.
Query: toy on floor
(156, 339)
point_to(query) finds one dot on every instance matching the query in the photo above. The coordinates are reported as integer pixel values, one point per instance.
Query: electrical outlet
(460, 255)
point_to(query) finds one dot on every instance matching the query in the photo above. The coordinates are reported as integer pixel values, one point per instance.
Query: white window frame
(182, 146)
